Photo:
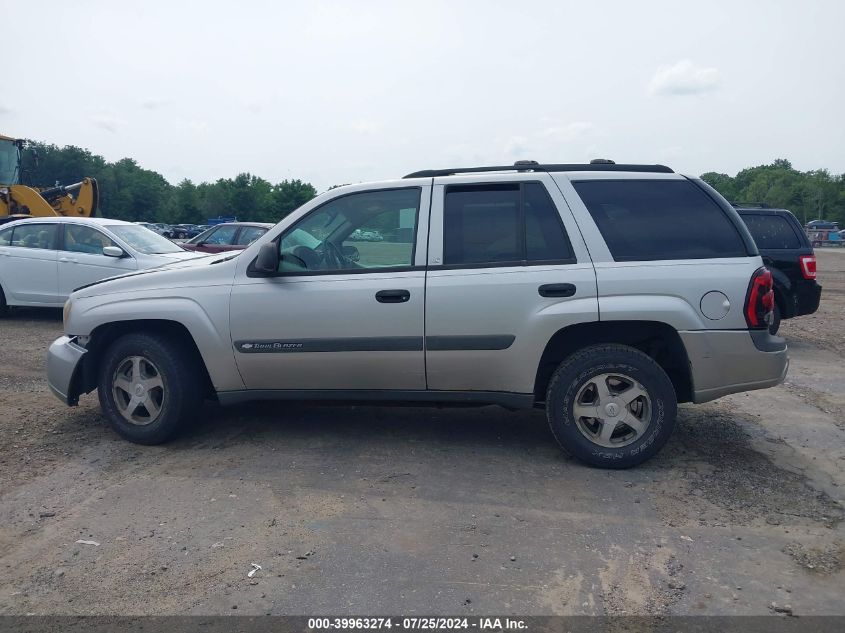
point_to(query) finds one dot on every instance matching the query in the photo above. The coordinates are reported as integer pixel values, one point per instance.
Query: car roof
(264, 225)
(762, 211)
(63, 219)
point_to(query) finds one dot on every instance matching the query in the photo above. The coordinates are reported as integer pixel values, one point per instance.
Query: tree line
(810, 195)
(130, 192)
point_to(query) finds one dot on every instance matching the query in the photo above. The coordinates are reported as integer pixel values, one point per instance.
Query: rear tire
(632, 400)
(148, 387)
(4, 307)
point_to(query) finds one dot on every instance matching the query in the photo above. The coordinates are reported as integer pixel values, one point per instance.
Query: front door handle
(556, 290)
(393, 296)
(68, 259)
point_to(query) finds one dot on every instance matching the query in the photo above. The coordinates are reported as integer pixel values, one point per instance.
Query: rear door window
(6, 237)
(500, 224)
(35, 236)
(643, 220)
(771, 231)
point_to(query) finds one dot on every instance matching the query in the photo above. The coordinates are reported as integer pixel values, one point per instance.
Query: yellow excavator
(21, 201)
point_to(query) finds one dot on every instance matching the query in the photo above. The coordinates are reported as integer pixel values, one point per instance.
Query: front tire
(611, 406)
(4, 307)
(148, 387)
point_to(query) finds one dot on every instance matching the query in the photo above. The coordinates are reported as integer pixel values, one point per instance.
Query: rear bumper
(807, 298)
(730, 361)
(63, 361)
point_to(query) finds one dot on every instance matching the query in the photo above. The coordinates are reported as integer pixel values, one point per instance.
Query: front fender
(206, 322)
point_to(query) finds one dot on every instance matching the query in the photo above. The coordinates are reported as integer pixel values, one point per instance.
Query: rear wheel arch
(658, 340)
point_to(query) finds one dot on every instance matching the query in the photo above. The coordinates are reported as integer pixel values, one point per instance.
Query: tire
(776, 318)
(651, 414)
(4, 307)
(168, 373)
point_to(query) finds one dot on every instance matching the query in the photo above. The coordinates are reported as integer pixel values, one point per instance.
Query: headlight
(66, 313)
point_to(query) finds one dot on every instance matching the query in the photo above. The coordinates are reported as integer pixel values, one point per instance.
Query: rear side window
(771, 231)
(34, 236)
(514, 223)
(644, 220)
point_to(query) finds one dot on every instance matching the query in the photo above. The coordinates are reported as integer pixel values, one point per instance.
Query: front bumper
(730, 361)
(63, 362)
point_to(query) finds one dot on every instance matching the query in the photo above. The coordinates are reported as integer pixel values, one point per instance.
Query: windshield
(144, 240)
(9, 163)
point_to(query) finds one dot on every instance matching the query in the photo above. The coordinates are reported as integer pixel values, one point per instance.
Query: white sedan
(42, 260)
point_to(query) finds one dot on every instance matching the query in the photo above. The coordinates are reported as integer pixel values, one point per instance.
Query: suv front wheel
(611, 406)
(147, 387)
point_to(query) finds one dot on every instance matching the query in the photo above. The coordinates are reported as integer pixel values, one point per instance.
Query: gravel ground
(367, 510)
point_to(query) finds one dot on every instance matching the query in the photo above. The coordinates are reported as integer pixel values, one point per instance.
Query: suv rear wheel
(611, 406)
(147, 387)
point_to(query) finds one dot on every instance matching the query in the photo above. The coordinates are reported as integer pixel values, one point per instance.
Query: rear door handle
(556, 290)
(393, 296)
(67, 259)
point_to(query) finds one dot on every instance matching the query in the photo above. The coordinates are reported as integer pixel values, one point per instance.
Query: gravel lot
(367, 510)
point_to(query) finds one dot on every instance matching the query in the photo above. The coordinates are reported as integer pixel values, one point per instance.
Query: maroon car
(231, 236)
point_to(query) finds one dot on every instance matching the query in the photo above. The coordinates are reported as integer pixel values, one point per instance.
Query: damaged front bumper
(63, 368)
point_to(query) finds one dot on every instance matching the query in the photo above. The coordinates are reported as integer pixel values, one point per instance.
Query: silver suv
(604, 293)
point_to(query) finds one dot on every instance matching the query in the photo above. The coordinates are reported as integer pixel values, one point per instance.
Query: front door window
(360, 231)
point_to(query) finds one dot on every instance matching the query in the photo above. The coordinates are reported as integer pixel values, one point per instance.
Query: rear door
(32, 262)
(507, 269)
(81, 259)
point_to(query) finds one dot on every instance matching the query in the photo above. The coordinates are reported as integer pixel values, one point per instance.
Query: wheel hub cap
(138, 390)
(612, 410)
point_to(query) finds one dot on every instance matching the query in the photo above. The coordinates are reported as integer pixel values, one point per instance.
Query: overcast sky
(338, 92)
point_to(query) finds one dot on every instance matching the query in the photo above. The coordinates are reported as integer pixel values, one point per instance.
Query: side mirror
(267, 261)
(113, 251)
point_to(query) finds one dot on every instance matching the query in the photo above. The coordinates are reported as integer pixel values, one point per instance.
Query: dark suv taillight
(808, 266)
(760, 300)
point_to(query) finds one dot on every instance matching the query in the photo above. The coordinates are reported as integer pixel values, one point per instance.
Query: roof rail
(601, 164)
(750, 205)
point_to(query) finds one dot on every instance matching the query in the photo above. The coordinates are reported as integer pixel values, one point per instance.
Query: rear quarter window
(645, 220)
(771, 231)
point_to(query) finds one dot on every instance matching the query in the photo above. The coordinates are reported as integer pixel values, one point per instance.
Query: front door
(345, 311)
(81, 259)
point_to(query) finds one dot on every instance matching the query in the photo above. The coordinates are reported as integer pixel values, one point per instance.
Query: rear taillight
(808, 266)
(760, 300)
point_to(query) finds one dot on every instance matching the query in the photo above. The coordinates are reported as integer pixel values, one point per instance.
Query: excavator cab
(10, 161)
(16, 200)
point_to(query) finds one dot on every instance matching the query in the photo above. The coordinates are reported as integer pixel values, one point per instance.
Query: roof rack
(598, 164)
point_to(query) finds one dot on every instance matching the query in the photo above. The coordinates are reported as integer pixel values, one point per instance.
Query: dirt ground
(366, 510)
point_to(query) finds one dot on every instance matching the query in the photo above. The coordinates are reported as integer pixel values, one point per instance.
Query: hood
(182, 271)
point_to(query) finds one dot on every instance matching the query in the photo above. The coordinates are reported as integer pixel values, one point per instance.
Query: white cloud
(568, 132)
(153, 104)
(684, 78)
(108, 122)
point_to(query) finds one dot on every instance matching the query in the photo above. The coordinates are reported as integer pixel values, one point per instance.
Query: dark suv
(787, 252)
